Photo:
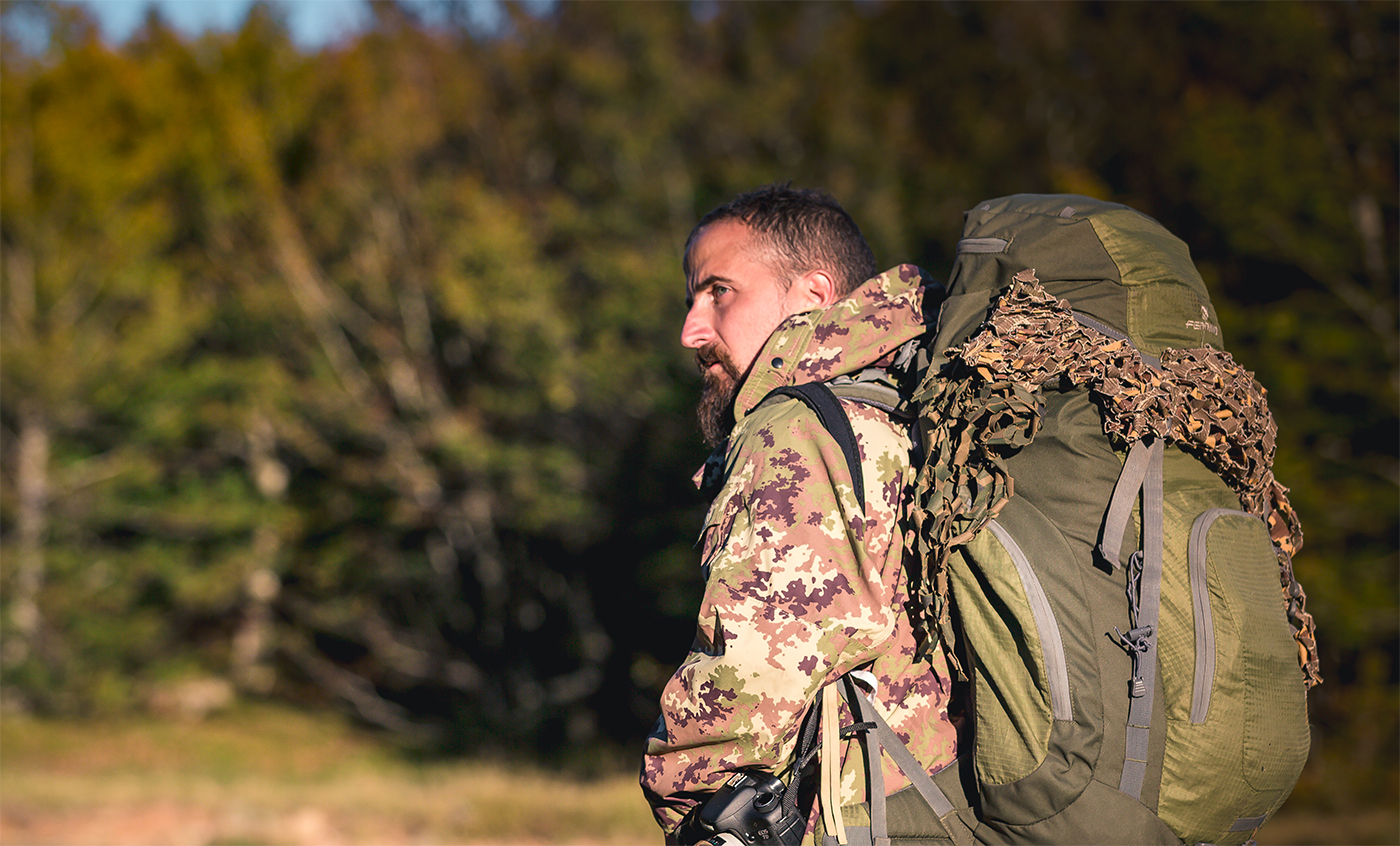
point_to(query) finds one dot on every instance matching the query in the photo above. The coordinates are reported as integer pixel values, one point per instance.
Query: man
(803, 584)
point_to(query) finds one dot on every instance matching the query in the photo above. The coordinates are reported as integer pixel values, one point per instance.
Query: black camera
(750, 805)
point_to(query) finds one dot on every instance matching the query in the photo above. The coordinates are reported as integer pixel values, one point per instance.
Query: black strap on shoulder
(833, 418)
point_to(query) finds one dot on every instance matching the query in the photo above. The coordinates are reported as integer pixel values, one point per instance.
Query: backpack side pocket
(1245, 721)
(1019, 661)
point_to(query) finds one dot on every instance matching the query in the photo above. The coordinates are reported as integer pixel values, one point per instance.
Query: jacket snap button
(777, 362)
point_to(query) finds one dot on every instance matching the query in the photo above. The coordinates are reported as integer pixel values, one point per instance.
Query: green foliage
(352, 375)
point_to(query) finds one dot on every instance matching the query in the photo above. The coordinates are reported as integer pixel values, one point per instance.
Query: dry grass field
(281, 778)
(261, 776)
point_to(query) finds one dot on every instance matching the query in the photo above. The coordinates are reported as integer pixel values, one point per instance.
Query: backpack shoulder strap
(818, 397)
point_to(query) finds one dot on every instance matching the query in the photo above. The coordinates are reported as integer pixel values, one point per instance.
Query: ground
(269, 776)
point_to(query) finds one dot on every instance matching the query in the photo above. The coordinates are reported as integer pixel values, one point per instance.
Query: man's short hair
(805, 229)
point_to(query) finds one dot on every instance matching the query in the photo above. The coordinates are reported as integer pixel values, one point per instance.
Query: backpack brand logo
(1204, 324)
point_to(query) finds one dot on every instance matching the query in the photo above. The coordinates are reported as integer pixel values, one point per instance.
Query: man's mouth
(713, 362)
(707, 358)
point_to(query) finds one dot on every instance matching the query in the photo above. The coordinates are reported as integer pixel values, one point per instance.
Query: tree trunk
(252, 643)
(31, 529)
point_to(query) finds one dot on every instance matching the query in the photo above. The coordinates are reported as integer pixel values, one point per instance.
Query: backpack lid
(1109, 261)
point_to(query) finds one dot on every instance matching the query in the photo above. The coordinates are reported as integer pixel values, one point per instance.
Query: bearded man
(804, 558)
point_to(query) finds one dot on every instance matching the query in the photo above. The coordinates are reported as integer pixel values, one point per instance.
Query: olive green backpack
(1108, 558)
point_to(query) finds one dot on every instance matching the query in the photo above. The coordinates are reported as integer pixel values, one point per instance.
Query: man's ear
(814, 289)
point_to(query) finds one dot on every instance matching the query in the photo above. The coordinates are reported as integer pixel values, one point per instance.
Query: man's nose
(696, 332)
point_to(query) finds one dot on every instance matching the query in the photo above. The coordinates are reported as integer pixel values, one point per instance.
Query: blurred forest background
(349, 377)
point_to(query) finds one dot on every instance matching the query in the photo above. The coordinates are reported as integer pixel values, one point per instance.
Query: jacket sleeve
(799, 589)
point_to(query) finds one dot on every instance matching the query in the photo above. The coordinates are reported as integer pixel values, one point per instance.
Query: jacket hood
(850, 335)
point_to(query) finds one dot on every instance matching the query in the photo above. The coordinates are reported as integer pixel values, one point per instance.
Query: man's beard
(716, 408)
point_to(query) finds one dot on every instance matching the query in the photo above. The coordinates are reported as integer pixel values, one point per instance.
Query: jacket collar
(854, 333)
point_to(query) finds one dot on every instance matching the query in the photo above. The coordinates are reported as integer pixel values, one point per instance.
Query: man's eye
(719, 290)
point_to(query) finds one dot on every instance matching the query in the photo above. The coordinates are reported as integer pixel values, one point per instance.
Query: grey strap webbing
(885, 737)
(1120, 506)
(1142, 638)
(865, 713)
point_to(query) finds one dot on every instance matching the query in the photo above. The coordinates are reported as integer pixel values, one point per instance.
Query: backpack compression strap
(1142, 471)
(879, 736)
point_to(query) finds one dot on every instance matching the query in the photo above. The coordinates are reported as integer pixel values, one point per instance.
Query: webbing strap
(864, 713)
(1120, 506)
(1143, 683)
(886, 738)
(831, 765)
(827, 407)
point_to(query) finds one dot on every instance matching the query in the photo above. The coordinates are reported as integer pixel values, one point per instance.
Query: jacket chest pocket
(719, 525)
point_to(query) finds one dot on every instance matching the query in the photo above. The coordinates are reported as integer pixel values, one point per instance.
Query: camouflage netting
(984, 404)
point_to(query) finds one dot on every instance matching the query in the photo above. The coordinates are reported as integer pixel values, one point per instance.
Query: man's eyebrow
(702, 286)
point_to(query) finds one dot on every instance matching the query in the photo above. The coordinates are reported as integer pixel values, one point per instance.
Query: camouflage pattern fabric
(986, 404)
(801, 585)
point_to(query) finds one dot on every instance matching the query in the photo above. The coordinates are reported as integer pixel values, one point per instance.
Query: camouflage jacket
(801, 586)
